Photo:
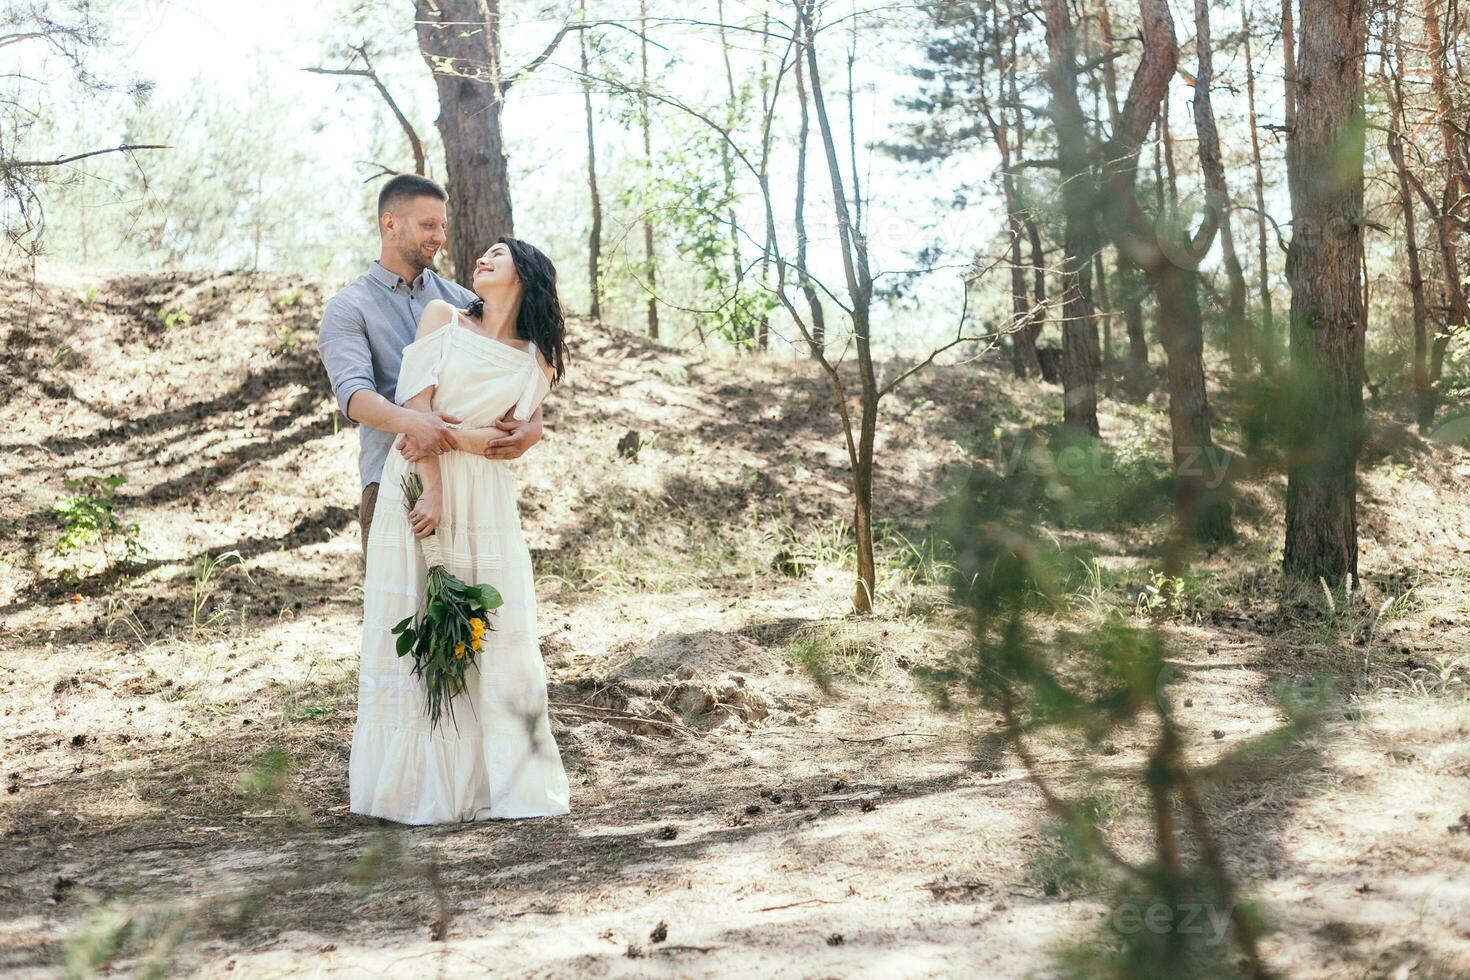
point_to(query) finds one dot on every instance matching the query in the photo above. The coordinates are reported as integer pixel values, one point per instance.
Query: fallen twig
(537, 910)
(879, 738)
(867, 794)
(947, 888)
(168, 845)
(792, 905)
(611, 713)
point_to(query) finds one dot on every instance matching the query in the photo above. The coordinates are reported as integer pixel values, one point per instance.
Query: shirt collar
(393, 280)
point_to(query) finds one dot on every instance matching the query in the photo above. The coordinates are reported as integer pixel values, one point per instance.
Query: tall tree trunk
(1024, 359)
(1217, 190)
(594, 236)
(1038, 278)
(768, 95)
(1288, 64)
(727, 164)
(1079, 386)
(1324, 157)
(1202, 511)
(857, 187)
(1456, 186)
(1032, 226)
(859, 280)
(1423, 388)
(819, 317)
(1159, 164)
(1138, 379)
(82, 221)
(468, 76)
(1088, 53)
(1266, 337)
(650, 271)
(1103, 316)
(257, 220)
(1169, 166)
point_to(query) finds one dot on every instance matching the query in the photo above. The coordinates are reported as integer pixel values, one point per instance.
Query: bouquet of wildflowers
(444, 639)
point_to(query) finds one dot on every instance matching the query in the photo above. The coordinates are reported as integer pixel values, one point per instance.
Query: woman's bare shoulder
(435, 315)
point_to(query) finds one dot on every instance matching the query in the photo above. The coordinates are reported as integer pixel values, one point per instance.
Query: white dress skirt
(502, 762)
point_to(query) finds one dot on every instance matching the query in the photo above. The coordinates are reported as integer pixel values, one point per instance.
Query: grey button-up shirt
(363, 332)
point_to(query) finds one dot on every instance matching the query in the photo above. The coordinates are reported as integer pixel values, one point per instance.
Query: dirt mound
(699, 653)
(697, 703)
(680, 684)
(595, 740)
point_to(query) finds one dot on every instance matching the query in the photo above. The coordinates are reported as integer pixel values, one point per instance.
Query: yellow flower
(477, 626)
(458, 650)
(475, 644)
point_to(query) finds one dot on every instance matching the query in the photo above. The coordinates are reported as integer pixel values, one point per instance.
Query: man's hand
(428, 434)
(521, 436)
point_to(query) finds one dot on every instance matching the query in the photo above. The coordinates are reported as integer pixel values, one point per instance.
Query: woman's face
(495, 267)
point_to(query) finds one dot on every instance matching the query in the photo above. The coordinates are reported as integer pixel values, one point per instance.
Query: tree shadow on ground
(77, 829)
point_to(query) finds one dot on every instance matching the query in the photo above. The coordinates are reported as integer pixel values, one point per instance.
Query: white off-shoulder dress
(502, 762)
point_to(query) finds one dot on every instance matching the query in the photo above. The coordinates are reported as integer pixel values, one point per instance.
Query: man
(365, 327)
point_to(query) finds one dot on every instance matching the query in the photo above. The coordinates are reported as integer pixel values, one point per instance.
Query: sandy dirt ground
(758, 784)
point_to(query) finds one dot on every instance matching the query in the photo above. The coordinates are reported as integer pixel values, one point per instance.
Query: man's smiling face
(418, 228)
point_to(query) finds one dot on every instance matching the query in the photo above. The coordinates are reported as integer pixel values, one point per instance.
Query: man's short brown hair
(405, 187)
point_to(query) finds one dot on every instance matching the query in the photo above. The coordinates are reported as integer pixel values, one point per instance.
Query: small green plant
(1446, 676)
(170, 319)
(1400, 606)
(1091, 590)
(270, 782)
(1395, 472)
(89, 516)
(825, 650)
(829, 543)
(1337, 615)
(205, 567)
(286, 299)
(1162, 598)
(286, 340)
(929, 559)
(153, 933)
(809, 655)
(673, 373)
(1061, 863)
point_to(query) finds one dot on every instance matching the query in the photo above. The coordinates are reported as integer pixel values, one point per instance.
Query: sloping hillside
(757, 782)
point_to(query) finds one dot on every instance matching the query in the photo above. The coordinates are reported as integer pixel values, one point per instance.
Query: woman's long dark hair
(540, 318)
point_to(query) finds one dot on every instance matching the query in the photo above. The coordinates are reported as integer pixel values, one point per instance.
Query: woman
(504, 352)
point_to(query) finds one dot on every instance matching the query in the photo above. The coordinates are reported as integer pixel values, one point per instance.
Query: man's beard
(414, 257)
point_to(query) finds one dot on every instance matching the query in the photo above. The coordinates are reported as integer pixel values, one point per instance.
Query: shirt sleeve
(343, 345)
